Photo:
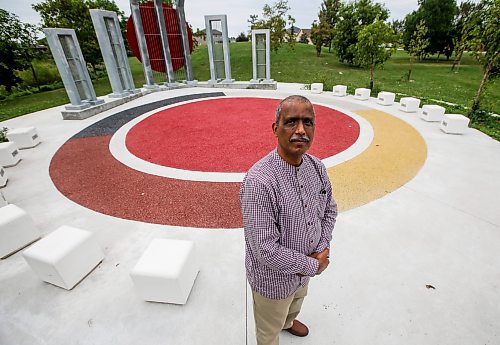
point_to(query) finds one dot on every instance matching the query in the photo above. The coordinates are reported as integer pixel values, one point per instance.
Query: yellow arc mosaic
(394, 157)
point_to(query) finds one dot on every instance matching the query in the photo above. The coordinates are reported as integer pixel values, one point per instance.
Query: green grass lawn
(431, 80)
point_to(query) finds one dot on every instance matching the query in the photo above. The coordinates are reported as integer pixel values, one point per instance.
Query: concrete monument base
(241, 85)
(106, 105)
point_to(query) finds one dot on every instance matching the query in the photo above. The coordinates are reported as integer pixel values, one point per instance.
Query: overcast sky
(237, 12)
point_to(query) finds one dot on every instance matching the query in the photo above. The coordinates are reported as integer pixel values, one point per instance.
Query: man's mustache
(302, 138)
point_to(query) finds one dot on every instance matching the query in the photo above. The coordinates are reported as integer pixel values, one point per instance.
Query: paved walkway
(419, 208)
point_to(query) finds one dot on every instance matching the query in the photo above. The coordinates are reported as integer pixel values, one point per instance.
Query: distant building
(306, 32)
(202, 39)
(298, 32)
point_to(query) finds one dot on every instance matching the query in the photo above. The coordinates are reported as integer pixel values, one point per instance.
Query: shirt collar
(282, 164)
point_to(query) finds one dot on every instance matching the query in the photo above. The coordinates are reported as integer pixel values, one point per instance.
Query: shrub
(46, 73)
(3, 135)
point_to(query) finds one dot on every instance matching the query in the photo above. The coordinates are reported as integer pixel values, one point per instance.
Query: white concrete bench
(17, 229)
(166, 271)
(9, 154)
(409, 104)
(386, 98)
(64, 257)
(24, 138)
(432, 113)
(316, 87)
(3, 177)
(454, 123)
(340, 90)
(362, 94)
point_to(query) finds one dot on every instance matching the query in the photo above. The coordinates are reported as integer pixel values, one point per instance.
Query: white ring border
(119, 150)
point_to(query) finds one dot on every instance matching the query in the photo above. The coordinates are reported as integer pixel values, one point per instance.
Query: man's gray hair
(291, 98)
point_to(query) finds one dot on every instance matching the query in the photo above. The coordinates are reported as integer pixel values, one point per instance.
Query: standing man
(289, 214)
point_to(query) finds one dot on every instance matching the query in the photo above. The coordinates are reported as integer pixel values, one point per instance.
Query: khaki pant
(274, 315)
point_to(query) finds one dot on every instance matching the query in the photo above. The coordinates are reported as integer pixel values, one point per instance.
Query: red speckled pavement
(225, 135)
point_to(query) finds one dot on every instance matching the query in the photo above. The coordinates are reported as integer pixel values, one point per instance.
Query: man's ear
(274, 129)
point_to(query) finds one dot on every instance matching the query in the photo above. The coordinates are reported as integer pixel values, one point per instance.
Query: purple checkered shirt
(288, 214)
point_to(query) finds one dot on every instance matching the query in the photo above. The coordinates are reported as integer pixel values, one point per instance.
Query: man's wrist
(321, 246)
(311, 267)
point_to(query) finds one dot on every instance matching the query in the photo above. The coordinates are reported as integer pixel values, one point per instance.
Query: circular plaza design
(228, 134)
(210, 134)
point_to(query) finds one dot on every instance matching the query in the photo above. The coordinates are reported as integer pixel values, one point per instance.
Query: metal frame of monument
(261, 37)
(179, 6)
(141, 41)
(72, 68)
(214, 78)
(107, 28)
(164, 39)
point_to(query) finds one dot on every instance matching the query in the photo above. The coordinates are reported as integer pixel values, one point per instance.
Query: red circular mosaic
(153, 40)
(228, 135)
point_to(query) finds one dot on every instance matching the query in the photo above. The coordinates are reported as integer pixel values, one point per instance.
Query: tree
(418, 44)
(485, 45)
(352, 18)
(74, 14)
(291, 37)
(463, 30)
(409, 26)
(275, 18)
(17, 48)
(200, 34)
(370, 50)
(303, 38)
(242, 37)
(438, 16)
(254, 18)
(398, 27)
(320, 33)
(29, 43)
(329, 13)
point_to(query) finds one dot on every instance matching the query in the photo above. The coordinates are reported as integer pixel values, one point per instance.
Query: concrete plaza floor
(439, 229)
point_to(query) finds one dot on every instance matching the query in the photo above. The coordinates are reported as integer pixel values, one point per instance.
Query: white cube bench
(340, 90)
(3, 201)
(166, 271)
(386, 98)
(409, 104)
(17, 229)
(432, 113)
(9, 154)
(64, 257)
(3, 177)
(316, 87)
(362, 94)
(454, 123)
(24, 138)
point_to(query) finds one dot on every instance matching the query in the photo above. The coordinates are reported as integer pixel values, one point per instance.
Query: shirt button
(312, 241)
(305, 205)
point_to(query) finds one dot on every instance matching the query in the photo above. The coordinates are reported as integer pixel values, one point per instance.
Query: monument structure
(261, 56)
(113, 51)
(160, 38)
(72, 68)
(218, 49)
